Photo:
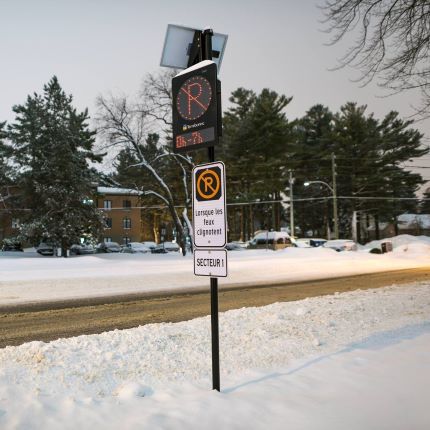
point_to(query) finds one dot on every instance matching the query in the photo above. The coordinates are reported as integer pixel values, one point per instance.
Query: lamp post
(333, 191)
(291, 181)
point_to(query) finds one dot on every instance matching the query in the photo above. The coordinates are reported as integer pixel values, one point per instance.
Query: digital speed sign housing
(195, 107)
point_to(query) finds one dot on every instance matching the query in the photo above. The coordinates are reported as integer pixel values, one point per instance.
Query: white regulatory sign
(209, 206)
(210, 262)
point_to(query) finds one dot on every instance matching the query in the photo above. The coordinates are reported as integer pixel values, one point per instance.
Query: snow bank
(334, 362)
(29, 278)
(404, 243)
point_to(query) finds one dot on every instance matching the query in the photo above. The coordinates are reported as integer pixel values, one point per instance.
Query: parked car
(82, 249)
(165, 247)
(45, 249)
(235, 246)
(270, 239)
(341, 245)
(134, 247)
(149, 244)
(11, 245)
(302, 243)
(309, 242)
(315, 242)
(108, 247)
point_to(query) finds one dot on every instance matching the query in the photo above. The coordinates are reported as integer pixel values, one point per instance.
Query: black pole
(216, 384)
(207, 55)
(215, 335)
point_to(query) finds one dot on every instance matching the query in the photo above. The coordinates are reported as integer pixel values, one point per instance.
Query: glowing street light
(333, 191)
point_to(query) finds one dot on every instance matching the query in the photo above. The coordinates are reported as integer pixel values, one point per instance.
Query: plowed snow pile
(353, 360)
(30, 278)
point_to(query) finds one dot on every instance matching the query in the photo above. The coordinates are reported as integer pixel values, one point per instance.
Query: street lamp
(333, 191)
(291, 181)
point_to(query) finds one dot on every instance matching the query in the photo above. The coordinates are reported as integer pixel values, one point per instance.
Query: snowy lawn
(28, 277)
(358, 360)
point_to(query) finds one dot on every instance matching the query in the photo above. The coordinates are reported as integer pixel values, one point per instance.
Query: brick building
(121, 208)
(125, 220)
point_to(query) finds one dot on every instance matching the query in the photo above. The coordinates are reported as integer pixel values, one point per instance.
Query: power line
(255, 202)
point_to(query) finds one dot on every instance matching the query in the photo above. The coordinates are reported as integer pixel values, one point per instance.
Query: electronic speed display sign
(195, 115)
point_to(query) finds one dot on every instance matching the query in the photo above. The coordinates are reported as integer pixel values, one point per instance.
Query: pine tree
(425, 204)
(369, 156)
(5, 168)
(52, 145)
(255, 146)
(311, 161)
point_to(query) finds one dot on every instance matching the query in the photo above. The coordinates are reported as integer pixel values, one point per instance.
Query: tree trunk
(273, 215)
(396, 227)
(242, 232)
(179, 227)
(358, 227)
(155, 228)
(377, 233)
(251, 222)
(327, 217)
(277, 212)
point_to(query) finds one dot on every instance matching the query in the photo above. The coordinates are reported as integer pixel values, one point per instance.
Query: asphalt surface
(49, 321)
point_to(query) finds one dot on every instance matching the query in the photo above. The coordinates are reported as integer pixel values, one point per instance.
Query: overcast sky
(100, 46)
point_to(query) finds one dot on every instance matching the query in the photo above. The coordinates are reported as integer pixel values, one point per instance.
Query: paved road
(66, 319)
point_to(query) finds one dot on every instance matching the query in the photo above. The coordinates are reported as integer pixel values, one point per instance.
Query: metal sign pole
(197, 123)
(207, 55)
(215, 335)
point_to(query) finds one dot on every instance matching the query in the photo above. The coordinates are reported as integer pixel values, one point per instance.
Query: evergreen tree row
(261, 147)
(46, 151)
(49, 148)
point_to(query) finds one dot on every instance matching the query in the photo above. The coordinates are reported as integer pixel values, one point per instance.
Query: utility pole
(354, 226)
(335, 216)
(291, 205)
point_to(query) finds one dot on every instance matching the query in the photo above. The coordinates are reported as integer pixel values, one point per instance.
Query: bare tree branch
(123, 124)
(393, 42)
(156, 93)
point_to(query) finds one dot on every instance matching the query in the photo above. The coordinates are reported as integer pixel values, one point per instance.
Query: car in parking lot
(309, 242)
(104, 247)
(151, 245)
(316, 242)
(301, 243)
(235, 246)
(82, 249)
(165, 247)
(11, 245)
(341, 245)
(136, 247)
(45, 249)
(270, 239)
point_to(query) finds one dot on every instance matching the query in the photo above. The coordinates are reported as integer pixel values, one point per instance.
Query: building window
(126, 240)
(15, 223)
(107, 239)
(126, 223)
(107, 204)
(126, 204)
(108, 222)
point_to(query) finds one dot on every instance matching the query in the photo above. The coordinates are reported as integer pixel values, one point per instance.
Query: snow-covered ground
(358, 360)
(28, 277)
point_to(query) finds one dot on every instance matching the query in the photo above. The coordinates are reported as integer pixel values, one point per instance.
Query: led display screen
(195, 115)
